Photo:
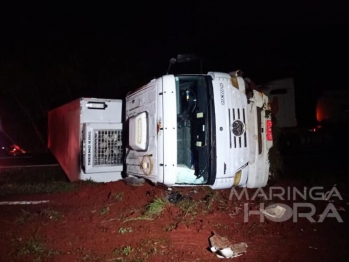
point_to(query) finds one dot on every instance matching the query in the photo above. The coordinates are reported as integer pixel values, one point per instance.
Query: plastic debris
(274, 212)
(174, 197)
(193, 191)
(224, 248)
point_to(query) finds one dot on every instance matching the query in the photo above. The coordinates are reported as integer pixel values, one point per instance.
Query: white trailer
(85, 136)
(281, 94)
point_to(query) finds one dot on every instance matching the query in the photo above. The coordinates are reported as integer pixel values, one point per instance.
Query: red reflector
(269, 124)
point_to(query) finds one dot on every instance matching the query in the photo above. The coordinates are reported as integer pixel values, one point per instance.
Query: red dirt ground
(90, 224)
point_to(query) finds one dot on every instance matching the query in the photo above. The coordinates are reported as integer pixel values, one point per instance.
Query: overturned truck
(178, 130)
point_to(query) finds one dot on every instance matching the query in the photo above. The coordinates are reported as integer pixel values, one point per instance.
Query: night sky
(106, 48)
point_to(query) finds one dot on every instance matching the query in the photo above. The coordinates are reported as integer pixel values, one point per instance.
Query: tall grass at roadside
(33, 180)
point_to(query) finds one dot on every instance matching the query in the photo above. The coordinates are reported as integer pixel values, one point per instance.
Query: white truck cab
(186, 130)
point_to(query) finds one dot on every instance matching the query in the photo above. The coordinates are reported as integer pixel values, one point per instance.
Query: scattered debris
(193, 191)
(23, 202)
(274, 212)
(236, 212)
(174, 197)
(224, 248)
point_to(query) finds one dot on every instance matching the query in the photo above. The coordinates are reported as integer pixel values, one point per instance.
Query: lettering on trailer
(222, 93)
(89, 148)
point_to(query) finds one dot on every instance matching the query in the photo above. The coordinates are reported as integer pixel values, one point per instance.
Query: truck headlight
(237, 177)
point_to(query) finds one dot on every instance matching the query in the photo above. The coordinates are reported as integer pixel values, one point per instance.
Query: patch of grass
(104, 210)
(32, 247)
(189, 206)
(51, 214)
(156, 207)
(52, 187)
(124, 230)
(88, 182)
(170, 227)
(149, 247)
(35, 247)
(118, 197)
(125, 251)
(25, 216)
(219, 225)
(138, 259)
(223, 205)
(92, 257)
(85, 254)
(210, 198)
(153, 210)
(32, 174)
(46, 213)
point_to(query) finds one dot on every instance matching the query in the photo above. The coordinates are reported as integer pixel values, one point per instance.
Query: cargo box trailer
(85, 136)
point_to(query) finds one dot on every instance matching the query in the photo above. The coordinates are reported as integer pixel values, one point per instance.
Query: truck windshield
(193, 129)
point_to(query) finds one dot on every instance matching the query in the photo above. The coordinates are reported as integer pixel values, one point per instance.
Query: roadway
(42, 159)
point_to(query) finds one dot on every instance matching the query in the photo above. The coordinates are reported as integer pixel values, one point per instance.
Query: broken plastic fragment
(275, 212)
(224, 248)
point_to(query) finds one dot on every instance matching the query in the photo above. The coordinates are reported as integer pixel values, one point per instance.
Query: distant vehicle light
(15, 150)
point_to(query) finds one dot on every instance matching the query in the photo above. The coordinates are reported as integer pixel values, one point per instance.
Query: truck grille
(107, 147)
(234, 114)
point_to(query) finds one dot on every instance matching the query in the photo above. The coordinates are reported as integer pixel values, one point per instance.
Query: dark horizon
(60, 51)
